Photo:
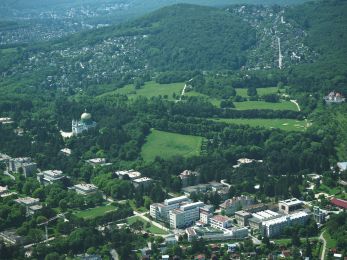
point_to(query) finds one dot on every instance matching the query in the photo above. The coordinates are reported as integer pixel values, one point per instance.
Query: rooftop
(86, 186)
(143, 179)
(220, 218)
(339, 202)
(131, 173)
(291, 202)
(27, 200)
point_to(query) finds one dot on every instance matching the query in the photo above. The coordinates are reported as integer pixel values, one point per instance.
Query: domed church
(86, 122)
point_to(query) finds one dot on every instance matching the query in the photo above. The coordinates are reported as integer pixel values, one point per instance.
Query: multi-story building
(185, 215)
(274, 227)
(258, 218)
(220, 222)
(255, 208)
(230, 206)
(318, 215)
(289, 205)
(189, 178)
(142, 182)
(85, 188)
(24, 163)
(50, 176)
(32, 204)
(239, 233)
(242, 217)
(205, 216)
(160, 211)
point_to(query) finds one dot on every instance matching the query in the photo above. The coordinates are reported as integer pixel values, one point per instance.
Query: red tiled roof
(339, 203)
(220, 218)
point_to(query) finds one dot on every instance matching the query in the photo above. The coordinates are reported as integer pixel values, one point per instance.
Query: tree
(252, 91)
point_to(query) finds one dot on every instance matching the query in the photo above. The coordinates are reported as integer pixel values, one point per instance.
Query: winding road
(321, 237)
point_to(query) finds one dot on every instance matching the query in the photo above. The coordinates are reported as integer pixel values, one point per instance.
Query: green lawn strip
(150, 89)
(213, 101)
(284, 124)
(152, 229)
(286, 241)
(133, 206)
(166, 145)
(261, 91)
(331, 243)
(282, 105)
(94, 212)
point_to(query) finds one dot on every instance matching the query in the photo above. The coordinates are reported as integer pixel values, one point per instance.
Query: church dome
(86, 116)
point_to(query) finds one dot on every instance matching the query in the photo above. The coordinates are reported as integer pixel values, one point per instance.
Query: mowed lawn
(151, 229)
(95, 212)
(261, 91)
(166, 145)
(284, 124)
(283, 105)
(150, 89)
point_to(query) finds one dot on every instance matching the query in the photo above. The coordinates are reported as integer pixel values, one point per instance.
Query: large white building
(220, 222)
(160, 211)
(130, 173)
(185, 215)
(50, 176)
(86, 123)
(230, 206)
(274, 227)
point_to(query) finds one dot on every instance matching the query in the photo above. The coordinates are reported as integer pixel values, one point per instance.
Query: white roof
(143, 179)
(175, 200)
(3, 189)
(131, 173)
(53, 173)
(85, 186)
(291, 202)
(342, 166)
(27, 200)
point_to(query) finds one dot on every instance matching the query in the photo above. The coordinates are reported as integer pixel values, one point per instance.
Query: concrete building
(189, 178)
(10, 237)
(319, 215)
(142, 182)
(289, 205)
(255, 208)
(86, 123)
(160, 211)
(230, 206)
(242, 217)
(258, 218)
(220, 222)
(274, 227)
(239, 233)
(129, 173)
(85, 189)
(32, 205)
(50, 176)
(24, 163)
(185, 215)
(334, 97)
(66, 151)
(205, 216)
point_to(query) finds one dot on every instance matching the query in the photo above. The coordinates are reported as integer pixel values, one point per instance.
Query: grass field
(94, 212)
(150, 89)
(283, 105)
(152, 229)
(166, 145)
(214, 101)
(261, 91)
(284, 124)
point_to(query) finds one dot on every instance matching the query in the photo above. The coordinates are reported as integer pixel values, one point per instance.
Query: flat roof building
(242, 217)
(185, 215)
(234, 204)
(130, 173)
(85, 189)
(142, 182)
(23, 164)
(50, 176)
(289, 205)
(160, 211)
(220, 222)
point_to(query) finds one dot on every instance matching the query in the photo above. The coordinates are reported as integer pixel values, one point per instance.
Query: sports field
(150, 89)
(284, 124)
(283, 105)
(166, 145)
(94, 212)
(261, 91)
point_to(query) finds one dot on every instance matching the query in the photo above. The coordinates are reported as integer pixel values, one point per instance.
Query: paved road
(296, 103)
(114, 254)
(321, 237)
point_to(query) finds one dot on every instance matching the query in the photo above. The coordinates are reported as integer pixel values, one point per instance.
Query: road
(255, 240)
(321, 237)
(225, 183)
(114, 254)
(296, 103)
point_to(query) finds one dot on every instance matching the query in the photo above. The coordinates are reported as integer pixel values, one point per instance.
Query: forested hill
(195, 37)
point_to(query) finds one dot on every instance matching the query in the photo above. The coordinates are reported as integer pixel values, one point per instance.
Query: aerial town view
(173, 130)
